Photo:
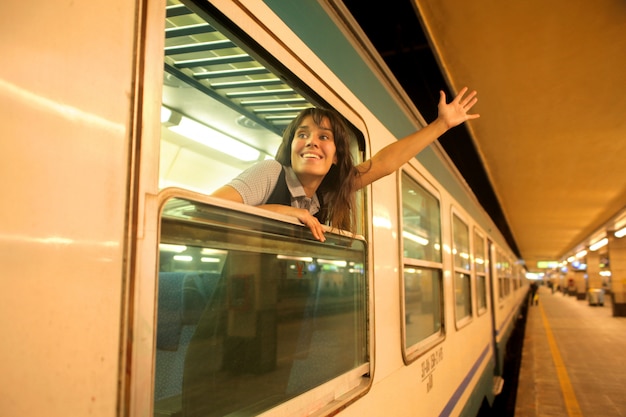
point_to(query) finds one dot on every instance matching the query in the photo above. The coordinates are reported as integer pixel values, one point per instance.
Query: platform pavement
(573, 360)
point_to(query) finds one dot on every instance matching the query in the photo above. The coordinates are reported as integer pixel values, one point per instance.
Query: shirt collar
(297, 192)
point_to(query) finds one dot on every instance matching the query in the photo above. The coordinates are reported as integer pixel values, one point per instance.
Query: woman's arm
(229, 193)
(393, 156)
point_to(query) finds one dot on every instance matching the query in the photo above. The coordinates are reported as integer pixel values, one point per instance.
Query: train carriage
(130, 291)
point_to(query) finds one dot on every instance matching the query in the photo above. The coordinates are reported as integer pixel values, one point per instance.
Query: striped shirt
(256, 184)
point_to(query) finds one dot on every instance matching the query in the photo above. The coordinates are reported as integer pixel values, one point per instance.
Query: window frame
(413, 352)
(352, 383)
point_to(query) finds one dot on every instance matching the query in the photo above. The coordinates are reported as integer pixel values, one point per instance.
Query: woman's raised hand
(456, 112)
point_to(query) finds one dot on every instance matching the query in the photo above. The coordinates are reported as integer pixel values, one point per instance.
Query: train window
(253, 312)
(504, 268)
(423, 271)
(462, 277)
(421, 226)
(250, 306)
(225, 101)
(500, 274)
(480, 269)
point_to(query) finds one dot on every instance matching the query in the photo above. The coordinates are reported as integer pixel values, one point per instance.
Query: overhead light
(165, 114)
(208, 259)
(168, 247)
(621, 232)
(207, 136)
(581, 254)
(598, 244)
(415, 238)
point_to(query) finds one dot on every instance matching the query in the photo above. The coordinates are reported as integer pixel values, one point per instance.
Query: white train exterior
(103, 196)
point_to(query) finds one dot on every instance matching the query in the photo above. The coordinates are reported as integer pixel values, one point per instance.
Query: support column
(617, 264)
(594, 279)
(581, 285)
(570, 283)
(593, 270)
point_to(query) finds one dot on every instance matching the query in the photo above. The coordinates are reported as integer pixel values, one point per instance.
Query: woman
(314, 178)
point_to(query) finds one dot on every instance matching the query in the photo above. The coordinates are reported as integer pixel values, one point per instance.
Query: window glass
(250, 310)
(423, 272)
(462, 282)
(500, 274)
(480, 271)
(480, 259)
(461, 248)
(421, 228)
(422, 301)
(462, 296)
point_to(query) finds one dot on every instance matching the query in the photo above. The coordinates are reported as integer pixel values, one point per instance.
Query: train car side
(127, 276)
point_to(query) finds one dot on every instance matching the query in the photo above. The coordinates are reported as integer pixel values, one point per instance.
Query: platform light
(620, 233)
(581, 254)
(599, 244)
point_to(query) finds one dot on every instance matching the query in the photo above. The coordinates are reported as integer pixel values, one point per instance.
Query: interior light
(415, 238)
(332, 262)
(621, 232)
(167, 247)
(207, 136)
(211, 251)
(203, 134)
(295, 258)
(208, 259)
(165, 114)
(599, 244)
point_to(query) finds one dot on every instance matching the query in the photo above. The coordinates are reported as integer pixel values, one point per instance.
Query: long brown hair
(337, 190)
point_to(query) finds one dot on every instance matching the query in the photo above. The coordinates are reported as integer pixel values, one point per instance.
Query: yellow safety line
(571, 403)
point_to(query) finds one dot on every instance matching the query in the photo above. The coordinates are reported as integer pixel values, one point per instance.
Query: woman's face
(313, 149)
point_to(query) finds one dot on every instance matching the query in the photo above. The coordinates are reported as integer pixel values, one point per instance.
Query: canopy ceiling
(551, 78)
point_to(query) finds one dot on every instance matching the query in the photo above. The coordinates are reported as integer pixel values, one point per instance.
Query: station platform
(573, 359)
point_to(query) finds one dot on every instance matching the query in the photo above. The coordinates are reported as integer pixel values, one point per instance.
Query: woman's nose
(312, 141)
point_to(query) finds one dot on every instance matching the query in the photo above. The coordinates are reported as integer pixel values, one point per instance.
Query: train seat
(181, 300)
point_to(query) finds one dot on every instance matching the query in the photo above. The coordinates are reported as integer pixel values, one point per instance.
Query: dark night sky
(397, 34)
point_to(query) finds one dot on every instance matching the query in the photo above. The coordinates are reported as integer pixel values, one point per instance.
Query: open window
(250, 307)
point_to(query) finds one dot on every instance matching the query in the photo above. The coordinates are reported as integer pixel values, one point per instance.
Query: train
(129, 291)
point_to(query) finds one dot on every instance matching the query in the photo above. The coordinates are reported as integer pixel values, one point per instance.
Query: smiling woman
(319, 179)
